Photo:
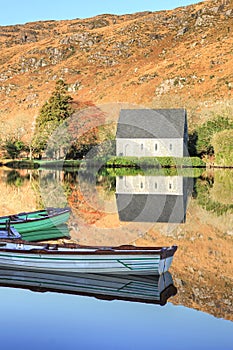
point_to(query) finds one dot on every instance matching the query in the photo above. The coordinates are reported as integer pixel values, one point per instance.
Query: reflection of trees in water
(53, 188)
(91, 178)
(108, 183)
(50, 186)
(73, 177)
(19, 190)
(88, 182)
(214, 193)
(14, 178)
(222, 190)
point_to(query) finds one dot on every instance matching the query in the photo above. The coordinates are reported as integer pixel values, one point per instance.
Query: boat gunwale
(32, 220)
(53, 249)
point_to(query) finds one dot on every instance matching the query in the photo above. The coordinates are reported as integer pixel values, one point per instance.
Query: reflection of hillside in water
(202, 268)
(202, 290)
(18, 191)
(94, 219)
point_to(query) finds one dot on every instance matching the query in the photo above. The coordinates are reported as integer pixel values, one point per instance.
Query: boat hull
(56, 232)
(86, 259)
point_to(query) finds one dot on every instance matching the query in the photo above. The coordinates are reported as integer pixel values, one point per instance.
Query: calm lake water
(193, 210)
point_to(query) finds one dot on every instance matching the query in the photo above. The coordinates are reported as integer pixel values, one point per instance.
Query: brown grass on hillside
(181, 57)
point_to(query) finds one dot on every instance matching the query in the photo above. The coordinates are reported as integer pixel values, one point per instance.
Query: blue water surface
(33, 320)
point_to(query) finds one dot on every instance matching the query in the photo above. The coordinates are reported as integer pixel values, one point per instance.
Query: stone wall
(150, 147)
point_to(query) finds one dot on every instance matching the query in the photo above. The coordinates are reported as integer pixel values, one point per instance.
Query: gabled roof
(152, 123)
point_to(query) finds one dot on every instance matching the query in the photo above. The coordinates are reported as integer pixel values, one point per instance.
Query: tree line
(61, 131)
(75, 138)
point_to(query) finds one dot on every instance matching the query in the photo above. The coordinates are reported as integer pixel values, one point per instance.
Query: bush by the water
(223, 148)
(158, 162)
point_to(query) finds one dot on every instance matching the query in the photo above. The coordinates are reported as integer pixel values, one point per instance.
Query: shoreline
(115, 163)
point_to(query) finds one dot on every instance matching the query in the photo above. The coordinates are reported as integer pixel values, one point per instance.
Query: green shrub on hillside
(223, 147)
(206, 131)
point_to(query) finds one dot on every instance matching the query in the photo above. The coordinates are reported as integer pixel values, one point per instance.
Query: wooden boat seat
(15, 218)
(51, 247)
(46, 247)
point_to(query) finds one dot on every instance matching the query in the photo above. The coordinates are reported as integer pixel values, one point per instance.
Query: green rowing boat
(52, 233)
(41, 220)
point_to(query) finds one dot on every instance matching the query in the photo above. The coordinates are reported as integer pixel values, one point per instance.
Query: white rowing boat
(84, 259)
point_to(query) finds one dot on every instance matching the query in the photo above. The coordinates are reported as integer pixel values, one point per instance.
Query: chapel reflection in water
(153, 198)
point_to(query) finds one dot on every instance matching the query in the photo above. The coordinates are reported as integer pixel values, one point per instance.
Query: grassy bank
(154, 162)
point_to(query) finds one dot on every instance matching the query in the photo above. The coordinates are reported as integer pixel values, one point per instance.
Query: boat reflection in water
(152, 198)
(151, 289)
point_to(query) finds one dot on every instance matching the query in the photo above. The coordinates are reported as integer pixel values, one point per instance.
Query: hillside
(181, 57)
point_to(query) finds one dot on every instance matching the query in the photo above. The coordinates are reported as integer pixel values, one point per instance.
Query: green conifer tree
(52, 114)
